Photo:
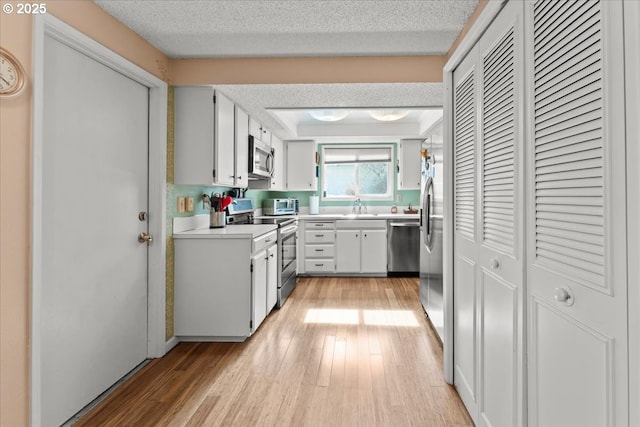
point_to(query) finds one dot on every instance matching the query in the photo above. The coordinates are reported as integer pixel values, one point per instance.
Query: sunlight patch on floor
(390, 318)
(332, 315)
(369, 317)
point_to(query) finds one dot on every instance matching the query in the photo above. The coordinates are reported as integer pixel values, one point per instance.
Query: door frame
(632, 104)
(49, 26)
(485, 18)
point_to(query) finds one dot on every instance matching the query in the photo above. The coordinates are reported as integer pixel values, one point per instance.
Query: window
(364, 171)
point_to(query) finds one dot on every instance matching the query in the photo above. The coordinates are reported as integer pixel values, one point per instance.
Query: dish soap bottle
(394, 209)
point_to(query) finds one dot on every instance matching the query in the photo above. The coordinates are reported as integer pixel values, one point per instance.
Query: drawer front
(324, 265)
(264, 241)
(319, 225)
(319, 251)
(319, 236)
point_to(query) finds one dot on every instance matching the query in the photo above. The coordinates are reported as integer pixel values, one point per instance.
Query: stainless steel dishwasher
(403, 247)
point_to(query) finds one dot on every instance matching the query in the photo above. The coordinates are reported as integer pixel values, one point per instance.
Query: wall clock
(12, 80)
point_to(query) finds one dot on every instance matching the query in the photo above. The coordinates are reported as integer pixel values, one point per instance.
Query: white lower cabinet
(223, 286)
(373, 253)
(319, 247)
(272, 277)
(348, 253)
(258, 289)
(361, 246)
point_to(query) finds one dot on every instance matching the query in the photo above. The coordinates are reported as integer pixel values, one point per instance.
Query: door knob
(145, 237)
(564, 296)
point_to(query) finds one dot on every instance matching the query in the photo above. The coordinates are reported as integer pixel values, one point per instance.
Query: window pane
(340, 179)
(373, 178)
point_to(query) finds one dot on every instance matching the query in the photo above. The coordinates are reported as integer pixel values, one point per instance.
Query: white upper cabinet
(278, 178)
(301, 165)
(409, 164)
(241, 172)
(205, 137)
(257, 130)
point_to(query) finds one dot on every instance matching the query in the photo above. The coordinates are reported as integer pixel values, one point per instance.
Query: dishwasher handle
(405, 224)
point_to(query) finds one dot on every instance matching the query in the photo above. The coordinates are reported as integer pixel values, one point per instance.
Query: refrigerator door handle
(428, 200)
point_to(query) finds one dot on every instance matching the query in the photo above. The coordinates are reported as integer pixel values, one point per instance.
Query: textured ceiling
(256, 99)
(222, 28)
(293, 28)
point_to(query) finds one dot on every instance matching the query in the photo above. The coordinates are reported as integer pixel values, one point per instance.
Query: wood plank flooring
(378, 364)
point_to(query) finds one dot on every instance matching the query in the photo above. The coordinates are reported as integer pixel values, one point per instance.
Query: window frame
(389, 196)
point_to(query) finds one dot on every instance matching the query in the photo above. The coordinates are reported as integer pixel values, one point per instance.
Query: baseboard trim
(171, 342)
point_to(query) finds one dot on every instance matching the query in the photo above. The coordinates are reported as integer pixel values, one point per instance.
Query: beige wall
(368, 69)
(15, 144)
(15, 185)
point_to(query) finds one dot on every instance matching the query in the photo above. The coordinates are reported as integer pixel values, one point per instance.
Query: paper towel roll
(314, 205)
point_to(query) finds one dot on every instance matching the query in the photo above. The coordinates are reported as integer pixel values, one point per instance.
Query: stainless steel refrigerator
(431, 289)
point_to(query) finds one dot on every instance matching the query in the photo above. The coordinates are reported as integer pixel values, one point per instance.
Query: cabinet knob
(495, 264)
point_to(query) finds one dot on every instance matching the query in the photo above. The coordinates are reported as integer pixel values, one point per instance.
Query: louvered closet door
(576, 232)
(501, 221)
(489, 224)
(465, 134)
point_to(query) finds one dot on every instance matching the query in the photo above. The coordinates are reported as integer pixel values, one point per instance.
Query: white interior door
(577, 283)
(94, 270)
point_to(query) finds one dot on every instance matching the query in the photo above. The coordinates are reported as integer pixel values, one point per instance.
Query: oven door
(288, 252)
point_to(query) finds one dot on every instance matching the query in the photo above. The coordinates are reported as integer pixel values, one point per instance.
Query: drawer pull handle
(319, 235)
(319, 250)
(267, 240)
(319, 225)
(319, 265)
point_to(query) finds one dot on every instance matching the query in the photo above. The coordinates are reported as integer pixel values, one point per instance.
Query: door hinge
(251, 267)
(214, 98)
(250, 324)
(214, 174)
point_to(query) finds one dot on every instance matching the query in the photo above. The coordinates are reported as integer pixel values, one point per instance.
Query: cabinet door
(301, 165)
(224, 140)
(272, 277)
(255, 128)
(277, 181)
(374, 251)
(241, 170)
(348, 251)
(259, 289)
(409, 164)
(194, 125)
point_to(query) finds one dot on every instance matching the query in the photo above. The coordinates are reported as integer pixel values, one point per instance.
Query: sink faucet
(357, 203)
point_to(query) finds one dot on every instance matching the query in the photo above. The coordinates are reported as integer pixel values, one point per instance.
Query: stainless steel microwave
(260, 159)
(280, 206)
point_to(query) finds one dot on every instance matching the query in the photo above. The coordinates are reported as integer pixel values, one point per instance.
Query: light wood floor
(381, 367)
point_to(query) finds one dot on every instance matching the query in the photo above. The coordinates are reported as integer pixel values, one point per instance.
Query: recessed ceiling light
(388, 115)
(329, 115)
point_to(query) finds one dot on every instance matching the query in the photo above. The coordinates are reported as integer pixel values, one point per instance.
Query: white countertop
(228, 232)
(197, 227)
(359, 216)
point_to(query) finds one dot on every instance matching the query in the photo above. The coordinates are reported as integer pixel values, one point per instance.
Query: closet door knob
(564, 296)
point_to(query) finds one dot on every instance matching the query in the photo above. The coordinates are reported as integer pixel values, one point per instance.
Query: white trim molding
(49, 26)
(631, 13)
